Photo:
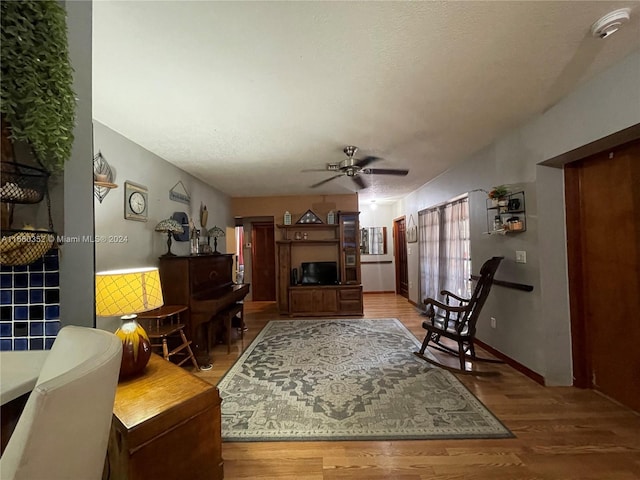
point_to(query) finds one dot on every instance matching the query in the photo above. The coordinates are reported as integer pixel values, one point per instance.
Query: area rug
(345, 379)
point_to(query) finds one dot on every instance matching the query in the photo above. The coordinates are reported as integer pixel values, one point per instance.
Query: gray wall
(77, 297)
(533, 328)
(137, 243)
(378, 277)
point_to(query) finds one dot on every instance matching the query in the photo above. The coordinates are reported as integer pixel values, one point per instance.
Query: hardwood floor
(561, 432)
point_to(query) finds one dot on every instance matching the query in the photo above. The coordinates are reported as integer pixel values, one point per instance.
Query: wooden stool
(226, 316)
(161, 332)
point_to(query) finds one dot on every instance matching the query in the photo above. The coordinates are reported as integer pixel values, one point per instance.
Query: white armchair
(64, 428)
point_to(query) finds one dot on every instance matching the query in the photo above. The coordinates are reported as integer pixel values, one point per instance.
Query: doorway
(263, 262)
(400, 254)
(603, 238)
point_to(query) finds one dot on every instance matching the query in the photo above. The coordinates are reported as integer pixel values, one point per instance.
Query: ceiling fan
(353, 167)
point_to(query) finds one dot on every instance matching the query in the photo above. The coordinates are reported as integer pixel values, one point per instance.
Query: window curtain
(240, 245)
(429, 235)
(445, 260)
(456, 257)
(239, 254)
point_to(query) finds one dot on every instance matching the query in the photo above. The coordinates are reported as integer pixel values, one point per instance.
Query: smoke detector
(610, 23)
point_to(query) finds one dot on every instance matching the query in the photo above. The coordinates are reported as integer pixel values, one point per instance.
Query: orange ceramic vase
(136, 348)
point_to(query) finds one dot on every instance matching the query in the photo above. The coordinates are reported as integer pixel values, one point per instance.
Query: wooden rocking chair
(458, 322)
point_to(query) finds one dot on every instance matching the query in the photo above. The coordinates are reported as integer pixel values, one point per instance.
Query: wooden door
(603, 237)
(400, 254)
(263, 262)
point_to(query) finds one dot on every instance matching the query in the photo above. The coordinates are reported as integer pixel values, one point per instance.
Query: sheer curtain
(456, 274)
(429, 238)
(445, 260)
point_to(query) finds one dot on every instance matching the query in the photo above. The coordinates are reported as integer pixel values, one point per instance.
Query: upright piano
(203, 283)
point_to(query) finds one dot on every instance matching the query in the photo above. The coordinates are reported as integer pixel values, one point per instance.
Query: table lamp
(216, 232)
(125, 293)
(169, 226)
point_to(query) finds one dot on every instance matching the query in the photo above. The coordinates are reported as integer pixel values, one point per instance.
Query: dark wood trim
(400, 260)
(413, 303)
(614, 140)
(384, 240)
(379, 262)
(380, 291)
(536, 377)
(504, 283)
(579, 352)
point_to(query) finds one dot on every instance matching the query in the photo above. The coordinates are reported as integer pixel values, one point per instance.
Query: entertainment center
(319, 268)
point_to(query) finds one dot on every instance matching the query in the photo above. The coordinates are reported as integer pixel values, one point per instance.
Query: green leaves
(36, 84)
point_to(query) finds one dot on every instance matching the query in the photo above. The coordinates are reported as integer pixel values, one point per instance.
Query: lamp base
(136, 347)
(169, 254)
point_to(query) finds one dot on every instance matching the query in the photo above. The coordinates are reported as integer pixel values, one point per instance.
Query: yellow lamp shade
(126, 292)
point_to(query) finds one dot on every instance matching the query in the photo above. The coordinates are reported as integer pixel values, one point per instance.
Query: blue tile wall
(30, 304)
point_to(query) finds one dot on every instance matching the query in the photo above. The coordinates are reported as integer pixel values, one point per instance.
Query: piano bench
(226, 317)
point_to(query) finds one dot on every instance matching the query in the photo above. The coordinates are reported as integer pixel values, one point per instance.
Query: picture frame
(412, 234)
(350, 259)
(136, 202)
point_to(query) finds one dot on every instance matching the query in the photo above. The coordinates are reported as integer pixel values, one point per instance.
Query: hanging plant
(38, 101)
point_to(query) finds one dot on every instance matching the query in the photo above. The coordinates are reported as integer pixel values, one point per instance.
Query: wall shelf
(311, 242)
(102, 177)
(508, 216)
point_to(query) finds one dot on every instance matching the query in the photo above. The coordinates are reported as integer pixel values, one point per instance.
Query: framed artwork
(412, 234)
(136, 202)
(350, 259)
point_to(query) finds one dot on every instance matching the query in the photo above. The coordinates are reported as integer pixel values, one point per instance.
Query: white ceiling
(245, 95)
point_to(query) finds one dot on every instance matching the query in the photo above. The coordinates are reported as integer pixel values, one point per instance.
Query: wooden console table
(166, 424)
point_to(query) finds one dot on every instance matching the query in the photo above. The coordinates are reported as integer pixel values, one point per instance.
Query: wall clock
(136, 202)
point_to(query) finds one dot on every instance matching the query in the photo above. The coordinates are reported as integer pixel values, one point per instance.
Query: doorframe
(580, 354)
(396, 247)
(263, 221)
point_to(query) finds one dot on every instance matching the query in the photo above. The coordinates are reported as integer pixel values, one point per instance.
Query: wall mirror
(373, 241)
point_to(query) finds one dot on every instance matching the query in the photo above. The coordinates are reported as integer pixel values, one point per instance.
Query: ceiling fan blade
(385, 171)
(314, 170)
(363, 162)
(325, 181)
(359, 182)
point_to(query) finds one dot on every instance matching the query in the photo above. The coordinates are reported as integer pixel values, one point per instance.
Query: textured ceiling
(246, 95)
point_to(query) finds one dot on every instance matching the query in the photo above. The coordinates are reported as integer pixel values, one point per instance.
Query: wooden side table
(166, 424)
(160, 331)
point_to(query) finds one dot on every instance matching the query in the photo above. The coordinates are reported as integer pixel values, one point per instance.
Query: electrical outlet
(493, 322)
(521, 256)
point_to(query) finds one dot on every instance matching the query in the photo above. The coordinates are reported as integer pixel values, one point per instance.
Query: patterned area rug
(343, 379)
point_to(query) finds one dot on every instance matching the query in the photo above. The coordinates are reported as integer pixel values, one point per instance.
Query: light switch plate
(521, 256)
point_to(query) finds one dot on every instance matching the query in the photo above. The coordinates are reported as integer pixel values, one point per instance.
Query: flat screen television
(319, 273)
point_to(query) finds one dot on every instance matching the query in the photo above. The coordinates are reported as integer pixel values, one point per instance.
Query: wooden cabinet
(349, 247)
(307, 300)
(350, 300)
(325, 300)
(166, 424)
(327, 242)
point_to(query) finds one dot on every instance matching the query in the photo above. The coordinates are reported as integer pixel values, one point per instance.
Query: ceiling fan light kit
(610, 23)
(352, 168)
